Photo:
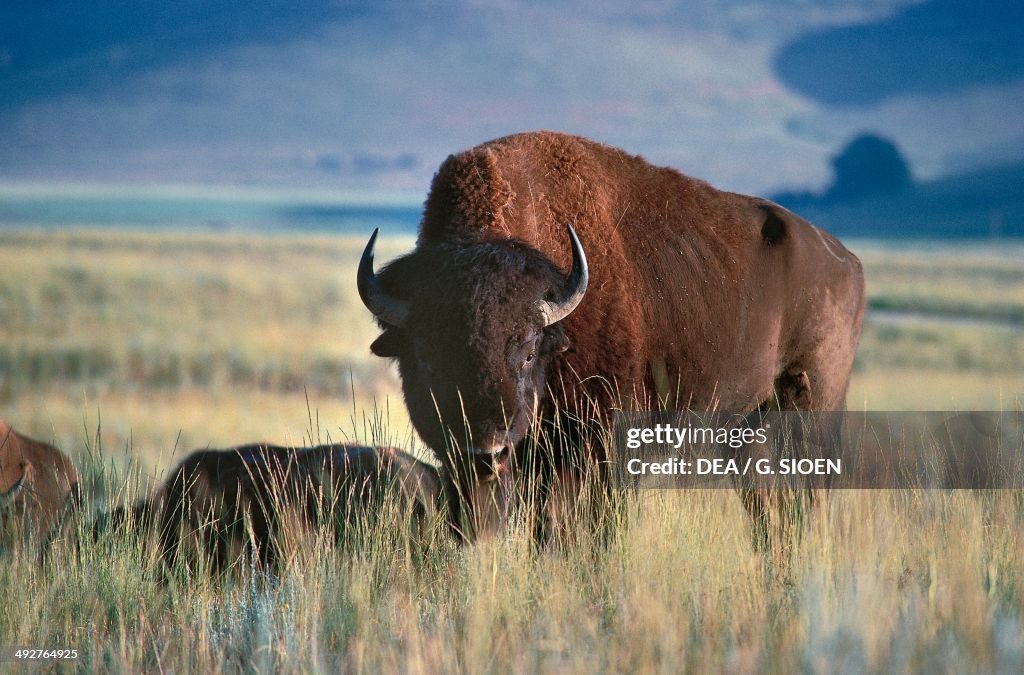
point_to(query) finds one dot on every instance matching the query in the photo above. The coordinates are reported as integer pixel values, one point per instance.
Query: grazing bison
(37, 484)
(250, 499)
(662, 292)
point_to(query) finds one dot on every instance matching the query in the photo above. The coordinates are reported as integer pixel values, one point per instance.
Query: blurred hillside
(750, 95)
(873, 194)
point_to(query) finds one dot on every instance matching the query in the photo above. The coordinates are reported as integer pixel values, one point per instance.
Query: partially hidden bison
(556, 279)
(38, 485)
(247, 502)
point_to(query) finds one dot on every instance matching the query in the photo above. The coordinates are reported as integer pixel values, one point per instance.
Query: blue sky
(752, 95)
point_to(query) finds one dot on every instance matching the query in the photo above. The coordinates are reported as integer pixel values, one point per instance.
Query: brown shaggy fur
(248, 499)
(698, 298)
(679, 270)
(37, 483)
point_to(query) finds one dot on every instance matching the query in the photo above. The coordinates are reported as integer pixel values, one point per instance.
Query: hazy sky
(749, 94)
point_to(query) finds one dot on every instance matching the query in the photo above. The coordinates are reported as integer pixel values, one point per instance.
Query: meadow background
(128, 348)
(178, 340)
(185, 188)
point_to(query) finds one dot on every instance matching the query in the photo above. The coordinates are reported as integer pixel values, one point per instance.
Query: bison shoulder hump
(468, 196)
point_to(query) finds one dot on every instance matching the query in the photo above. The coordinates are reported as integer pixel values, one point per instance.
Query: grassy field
(127, 349)
(218, 339)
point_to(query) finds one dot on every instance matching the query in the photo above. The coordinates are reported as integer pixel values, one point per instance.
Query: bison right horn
(8, 496)
(575, 285)
(390, 310)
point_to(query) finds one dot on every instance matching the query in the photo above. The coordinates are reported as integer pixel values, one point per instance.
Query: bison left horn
(575, 285)
(19, 485)
(390, 310)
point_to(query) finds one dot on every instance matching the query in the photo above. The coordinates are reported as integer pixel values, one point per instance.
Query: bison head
(474, 328)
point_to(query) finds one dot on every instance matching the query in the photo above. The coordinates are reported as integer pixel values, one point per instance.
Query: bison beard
(697, 299)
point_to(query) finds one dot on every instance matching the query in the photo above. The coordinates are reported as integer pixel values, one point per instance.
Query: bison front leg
(579, 505)
(572, 500)
(559, 500)
(478, 498)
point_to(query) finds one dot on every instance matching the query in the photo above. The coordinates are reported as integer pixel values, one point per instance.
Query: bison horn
(575, 285)
(389, 310)
(8, 496)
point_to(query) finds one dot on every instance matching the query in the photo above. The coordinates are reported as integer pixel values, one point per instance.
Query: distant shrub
(869, 165)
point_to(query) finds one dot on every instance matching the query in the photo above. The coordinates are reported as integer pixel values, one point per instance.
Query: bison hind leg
(792, 391)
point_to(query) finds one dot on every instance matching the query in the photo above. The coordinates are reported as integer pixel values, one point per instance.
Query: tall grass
(886, 581)
(219, 338)
(128, 349)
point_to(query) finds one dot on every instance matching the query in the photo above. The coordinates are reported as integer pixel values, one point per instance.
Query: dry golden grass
(221, 339)
(880, 582)
(910, 389)
(956, 278)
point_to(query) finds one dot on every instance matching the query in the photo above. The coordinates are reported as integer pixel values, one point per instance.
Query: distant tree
(868, 166)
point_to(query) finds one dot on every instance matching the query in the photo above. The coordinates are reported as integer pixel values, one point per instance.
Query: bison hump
(467, 200)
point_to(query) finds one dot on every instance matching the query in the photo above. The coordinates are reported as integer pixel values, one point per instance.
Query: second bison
(37, 485)
(251, 500)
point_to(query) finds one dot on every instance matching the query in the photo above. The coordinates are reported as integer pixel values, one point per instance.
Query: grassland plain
(125, 348)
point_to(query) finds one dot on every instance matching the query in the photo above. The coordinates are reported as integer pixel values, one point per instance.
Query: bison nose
(489, 449)
(491, 444)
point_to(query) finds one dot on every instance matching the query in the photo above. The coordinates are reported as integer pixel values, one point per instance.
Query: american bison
(556, 279)
(250, 499)
(37, 484)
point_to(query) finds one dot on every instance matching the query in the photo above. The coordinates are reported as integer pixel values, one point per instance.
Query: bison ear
(389, 344)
